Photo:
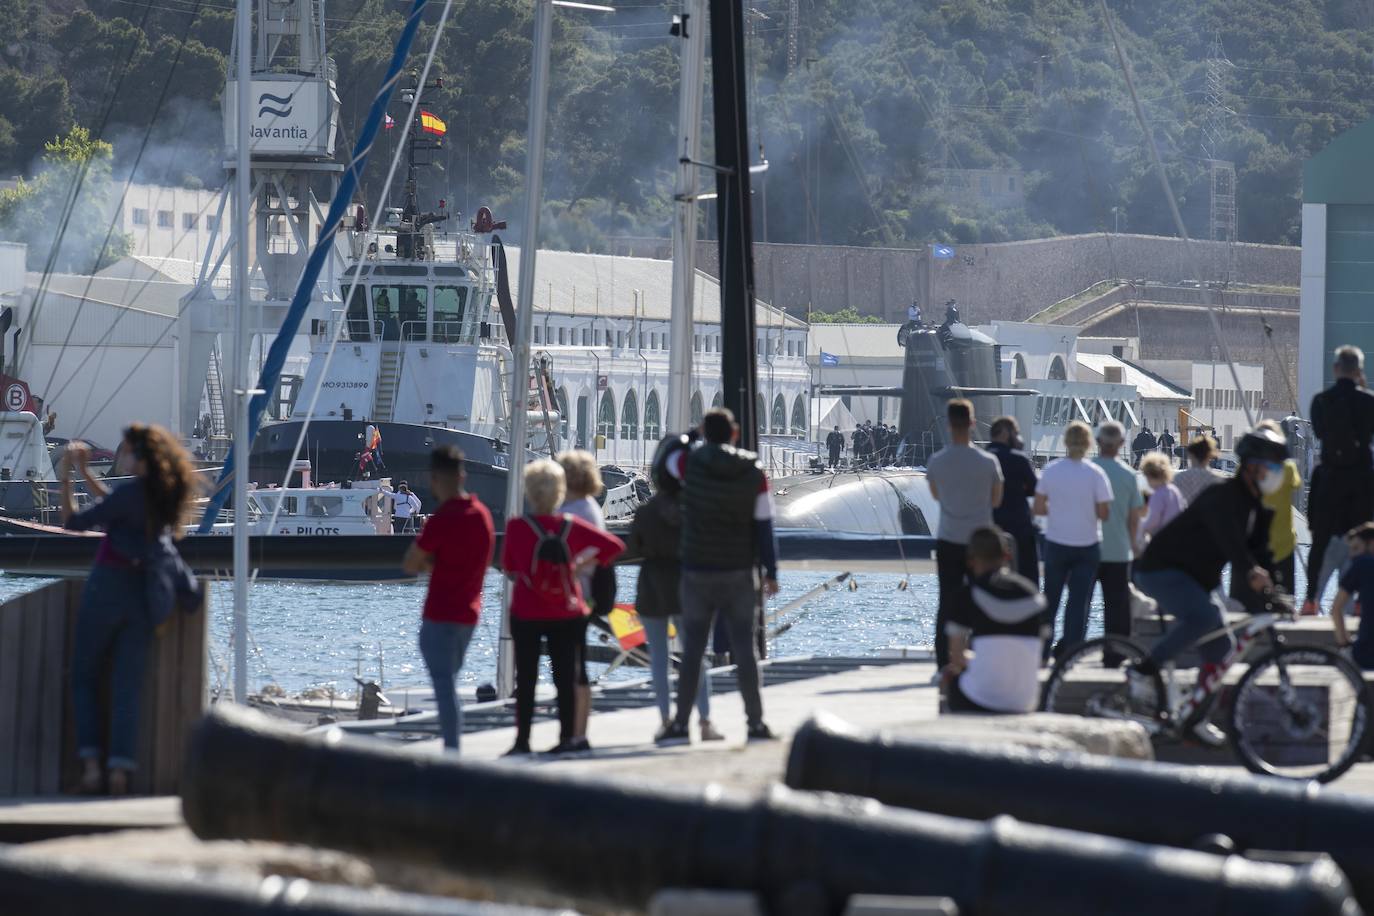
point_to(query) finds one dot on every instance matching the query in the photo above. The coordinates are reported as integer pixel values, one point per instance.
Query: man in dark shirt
(1013, 514)
(1166, 445)
(1342, 495)
(1181, 568)
(834, 443)
(1143, 442)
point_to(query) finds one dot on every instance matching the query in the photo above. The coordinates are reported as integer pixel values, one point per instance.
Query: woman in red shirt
(543, 553)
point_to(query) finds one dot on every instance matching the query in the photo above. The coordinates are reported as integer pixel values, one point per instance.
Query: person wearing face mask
(1181, 567)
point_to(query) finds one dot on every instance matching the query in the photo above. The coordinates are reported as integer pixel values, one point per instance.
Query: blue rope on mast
(276, 355)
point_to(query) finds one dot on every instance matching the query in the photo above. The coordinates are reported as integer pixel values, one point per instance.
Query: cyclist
(1181, 568)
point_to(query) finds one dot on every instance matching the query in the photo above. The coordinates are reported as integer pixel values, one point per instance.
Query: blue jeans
(1196, 612)
(113, 623)
(656, 631)
(443, 646)
(1076, 566)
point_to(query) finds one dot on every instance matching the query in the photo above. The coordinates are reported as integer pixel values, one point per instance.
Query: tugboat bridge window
(605, 416)
(629, 417)
(450, 315)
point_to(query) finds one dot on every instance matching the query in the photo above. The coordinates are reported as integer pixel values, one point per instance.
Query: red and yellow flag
(432, 124)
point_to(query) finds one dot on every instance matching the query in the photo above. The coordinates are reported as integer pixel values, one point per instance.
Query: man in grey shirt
(967, 482)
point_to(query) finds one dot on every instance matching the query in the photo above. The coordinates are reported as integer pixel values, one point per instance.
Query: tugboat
(416, 358)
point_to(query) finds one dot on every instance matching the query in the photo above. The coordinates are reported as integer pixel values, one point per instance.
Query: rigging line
(114, 217)
(357, 274)
(1173, 209)
(73, 192)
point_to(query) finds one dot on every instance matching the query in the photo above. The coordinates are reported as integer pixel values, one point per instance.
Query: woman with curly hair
(125, 598)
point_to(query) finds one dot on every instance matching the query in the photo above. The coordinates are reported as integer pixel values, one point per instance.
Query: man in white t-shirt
(405, 506)
(1074, 497)
(967, 483)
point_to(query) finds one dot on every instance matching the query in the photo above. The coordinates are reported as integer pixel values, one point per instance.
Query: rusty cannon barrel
(1166, 804)
(619, 842)
(33, 885)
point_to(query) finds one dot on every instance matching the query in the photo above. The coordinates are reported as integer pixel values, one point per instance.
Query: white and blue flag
(829, 359)
(944, 252)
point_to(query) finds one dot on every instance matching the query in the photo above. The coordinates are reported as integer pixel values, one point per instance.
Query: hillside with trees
(860, 107)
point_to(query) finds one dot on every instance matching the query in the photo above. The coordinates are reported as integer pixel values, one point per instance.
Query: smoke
(184, 147)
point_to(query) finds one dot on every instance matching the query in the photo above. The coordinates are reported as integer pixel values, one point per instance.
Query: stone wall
(1008, 281)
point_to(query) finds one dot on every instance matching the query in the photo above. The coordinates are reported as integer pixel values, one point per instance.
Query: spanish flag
(432, 124)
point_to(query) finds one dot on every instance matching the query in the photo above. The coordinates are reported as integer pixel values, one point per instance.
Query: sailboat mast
(242, 176)
(733, 218)
(524, 314)
(692, 31)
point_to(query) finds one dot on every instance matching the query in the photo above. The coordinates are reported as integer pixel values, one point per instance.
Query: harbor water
(307, 635)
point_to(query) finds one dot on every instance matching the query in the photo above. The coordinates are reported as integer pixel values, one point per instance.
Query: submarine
(944, 361)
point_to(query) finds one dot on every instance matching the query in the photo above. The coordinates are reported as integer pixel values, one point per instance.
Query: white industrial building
(167, 222)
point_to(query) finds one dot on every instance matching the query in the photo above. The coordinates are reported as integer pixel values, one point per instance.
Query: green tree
(74, 166)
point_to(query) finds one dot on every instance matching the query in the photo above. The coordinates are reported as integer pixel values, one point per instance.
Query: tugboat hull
(333, 448)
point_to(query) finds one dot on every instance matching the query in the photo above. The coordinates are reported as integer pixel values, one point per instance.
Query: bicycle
(1300, 712)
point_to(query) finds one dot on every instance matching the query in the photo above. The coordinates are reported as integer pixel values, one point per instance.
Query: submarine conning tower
(940, 361)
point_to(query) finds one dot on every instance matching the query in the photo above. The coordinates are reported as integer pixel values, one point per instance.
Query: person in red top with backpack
(542, 554)
(455, 548)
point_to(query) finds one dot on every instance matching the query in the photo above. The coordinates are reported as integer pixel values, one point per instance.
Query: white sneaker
(1209, 734)
(709, 733)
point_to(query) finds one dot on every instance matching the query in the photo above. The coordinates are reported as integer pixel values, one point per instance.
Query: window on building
(562, 336)
(190, 220)
(629, 417)
(164, 219)
(696, 343)
(985, 185)
(140, 216)
(536, 334)
(620, 340)
(211, 221)
(717, 343)
(605, 415)
(652, 424)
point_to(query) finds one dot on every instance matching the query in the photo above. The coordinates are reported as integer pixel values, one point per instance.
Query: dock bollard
(1166, 804)
(619, 842)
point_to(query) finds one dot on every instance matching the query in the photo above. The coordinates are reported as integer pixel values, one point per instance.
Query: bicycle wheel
(1300, 712)
(1090, 680)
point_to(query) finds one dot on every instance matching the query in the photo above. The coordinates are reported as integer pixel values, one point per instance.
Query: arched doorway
(1020, 367)
(653, 426)
(779, 421)
(564, 421)
(629, 417)
(696, 411)
(605, 416)
(799, 417)
(1058, 373)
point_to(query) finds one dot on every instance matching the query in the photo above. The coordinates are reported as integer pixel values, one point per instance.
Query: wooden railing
(37, 731)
